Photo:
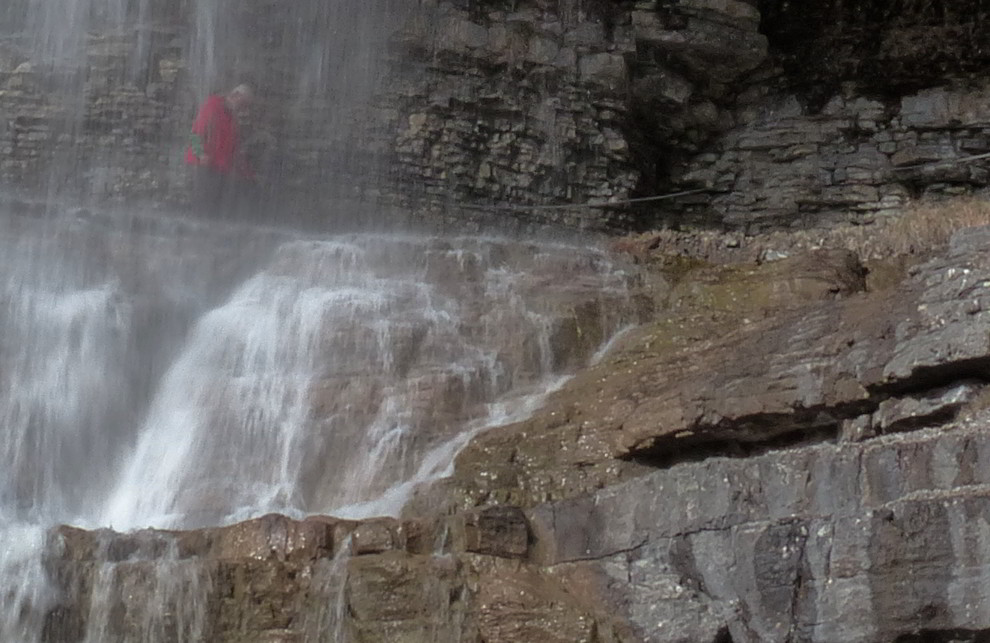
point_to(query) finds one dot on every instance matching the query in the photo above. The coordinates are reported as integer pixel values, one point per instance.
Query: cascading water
(317, 376)
(179, 615)
(316, 65)
(324, 378)
(92, 310)
(176, 372)
(327, 621)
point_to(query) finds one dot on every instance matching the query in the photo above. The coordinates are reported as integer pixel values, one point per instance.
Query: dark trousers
(214, 193)
(227, 196)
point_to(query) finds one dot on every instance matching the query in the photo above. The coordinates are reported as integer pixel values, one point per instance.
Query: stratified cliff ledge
(790, 450)
(871, 531)
(794, 450)
(771, 113)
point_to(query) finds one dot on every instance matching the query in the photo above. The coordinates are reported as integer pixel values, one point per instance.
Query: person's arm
(197, 147)
(201, 140)
(208, 141)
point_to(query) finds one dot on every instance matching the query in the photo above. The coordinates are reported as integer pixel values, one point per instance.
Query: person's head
(240, 97)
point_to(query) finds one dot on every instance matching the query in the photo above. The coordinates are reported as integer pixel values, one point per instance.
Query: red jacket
(214, 133)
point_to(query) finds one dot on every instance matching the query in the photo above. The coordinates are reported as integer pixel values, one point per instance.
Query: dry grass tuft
(922, 228)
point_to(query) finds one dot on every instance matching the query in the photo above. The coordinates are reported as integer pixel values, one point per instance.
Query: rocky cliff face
(752, 471)
(570, 103)
(769, 113)
(273, 579)
(878, 47)
(777, 114)
(791, 450)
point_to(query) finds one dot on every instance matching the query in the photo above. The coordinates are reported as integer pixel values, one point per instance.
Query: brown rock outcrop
(716, 367)
(624, 510)
(277, 579)
(633, 474)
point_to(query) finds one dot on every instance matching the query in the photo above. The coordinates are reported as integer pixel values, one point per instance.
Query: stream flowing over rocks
(786, 451)
(408, 392)
(176, 373)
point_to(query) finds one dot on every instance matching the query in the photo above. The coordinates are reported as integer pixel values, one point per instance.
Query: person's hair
(243, 89)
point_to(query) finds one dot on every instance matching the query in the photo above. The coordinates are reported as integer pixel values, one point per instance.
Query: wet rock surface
(788, 456)
(767, 114)
(693, 444)
(277, 579)
(758, 354)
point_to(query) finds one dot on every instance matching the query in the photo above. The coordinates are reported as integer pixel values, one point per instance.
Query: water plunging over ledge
(176, 373)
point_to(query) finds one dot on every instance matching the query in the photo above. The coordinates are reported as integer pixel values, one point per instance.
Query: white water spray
(330, 379)
(167, 375)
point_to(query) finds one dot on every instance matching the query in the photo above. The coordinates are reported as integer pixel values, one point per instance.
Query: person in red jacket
(214, 152)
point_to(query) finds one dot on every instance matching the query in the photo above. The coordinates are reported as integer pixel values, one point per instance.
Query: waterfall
(316, 66)
(328, 377)
(26, 594)
(327, 619)
(173, 372)
(176, 374)
(180, 591)
(109, 89)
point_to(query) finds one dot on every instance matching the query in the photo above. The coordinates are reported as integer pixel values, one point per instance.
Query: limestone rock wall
(102, 135)
(776, 114)
(773, 115)
(852, 161)
(517, 107)
(781, 456)
(572, 102)
(862, 543)
(322, 579)
(770, 114)
(853, 96)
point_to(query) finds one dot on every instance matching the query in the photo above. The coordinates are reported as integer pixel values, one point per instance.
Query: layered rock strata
(854, 160)
(791, 453)
(567, 103)
(678, 474)
(275, 579)
(859, 104)
(533, 104)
